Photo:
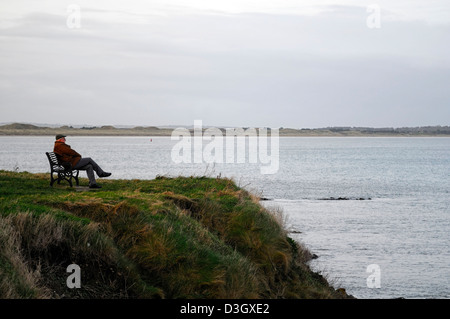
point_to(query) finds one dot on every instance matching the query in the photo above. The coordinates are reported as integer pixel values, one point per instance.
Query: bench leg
(76, 178)
(62, 177)
(52, 179)
(65, 176)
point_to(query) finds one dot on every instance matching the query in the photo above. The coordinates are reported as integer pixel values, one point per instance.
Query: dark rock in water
(264, 198)
(345, 198)
(341, 291)
(344, 293)
(335, 198)
(314, 256)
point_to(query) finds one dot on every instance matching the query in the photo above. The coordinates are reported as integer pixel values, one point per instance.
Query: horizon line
(76, 126)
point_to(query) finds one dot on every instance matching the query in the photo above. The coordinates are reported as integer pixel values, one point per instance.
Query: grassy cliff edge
(182, 237)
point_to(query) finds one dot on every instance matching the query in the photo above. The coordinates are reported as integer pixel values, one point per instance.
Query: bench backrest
(56, 164)
(52, 158)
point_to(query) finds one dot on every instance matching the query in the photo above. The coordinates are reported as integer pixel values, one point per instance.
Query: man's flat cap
(58, 136)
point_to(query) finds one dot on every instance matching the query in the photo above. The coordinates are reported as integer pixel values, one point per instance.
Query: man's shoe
(95, 186)
(105, 174)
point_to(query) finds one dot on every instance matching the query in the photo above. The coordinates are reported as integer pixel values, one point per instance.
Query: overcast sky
(247, 63)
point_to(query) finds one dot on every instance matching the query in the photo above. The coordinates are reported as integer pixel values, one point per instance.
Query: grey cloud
(244, 70)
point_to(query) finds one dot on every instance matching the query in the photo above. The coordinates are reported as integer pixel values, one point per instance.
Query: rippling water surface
(354, 202)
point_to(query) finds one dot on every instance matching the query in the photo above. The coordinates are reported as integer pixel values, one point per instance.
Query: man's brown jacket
(66, 154)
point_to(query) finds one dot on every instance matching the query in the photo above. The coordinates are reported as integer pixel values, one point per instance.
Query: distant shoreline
(19, 129)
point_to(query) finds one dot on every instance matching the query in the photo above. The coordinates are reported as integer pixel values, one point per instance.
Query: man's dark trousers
(89, 165)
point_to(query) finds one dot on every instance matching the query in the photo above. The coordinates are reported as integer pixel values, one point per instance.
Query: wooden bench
(63, 170)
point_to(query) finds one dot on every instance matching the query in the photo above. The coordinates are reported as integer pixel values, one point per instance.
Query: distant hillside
(369, 131)
(20, 126)
(109, 130)
(105, 130)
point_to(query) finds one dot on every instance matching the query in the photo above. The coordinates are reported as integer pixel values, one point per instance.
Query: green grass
(184, 237)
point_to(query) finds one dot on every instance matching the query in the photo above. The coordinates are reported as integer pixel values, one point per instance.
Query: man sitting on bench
(67, 154)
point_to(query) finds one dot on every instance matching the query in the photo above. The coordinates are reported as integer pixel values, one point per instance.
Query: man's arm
(65, 151)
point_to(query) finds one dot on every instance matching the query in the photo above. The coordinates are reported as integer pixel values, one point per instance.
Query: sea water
(374, 210)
